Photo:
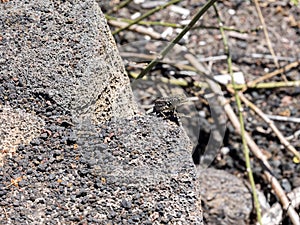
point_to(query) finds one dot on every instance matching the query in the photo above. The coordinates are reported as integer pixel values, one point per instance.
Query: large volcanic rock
(72, 150)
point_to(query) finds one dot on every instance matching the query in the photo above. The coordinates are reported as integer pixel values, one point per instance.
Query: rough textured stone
(65, 50)
(17, 127)
(226, 199)
(89, 160)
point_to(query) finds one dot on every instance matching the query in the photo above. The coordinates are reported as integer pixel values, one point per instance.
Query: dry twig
(262, 20)
(136, 28)
(149, 13)
(274, 73)
(281, 138)
(274, 214)
(257, 152)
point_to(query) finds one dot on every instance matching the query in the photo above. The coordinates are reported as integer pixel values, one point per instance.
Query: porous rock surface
(17, 127)
(83, 158)
(59, 50)
(226, 199)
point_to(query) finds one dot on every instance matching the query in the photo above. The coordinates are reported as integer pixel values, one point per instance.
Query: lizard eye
(169, 104)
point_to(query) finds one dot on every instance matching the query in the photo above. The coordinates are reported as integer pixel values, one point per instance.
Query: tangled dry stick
(286, 203)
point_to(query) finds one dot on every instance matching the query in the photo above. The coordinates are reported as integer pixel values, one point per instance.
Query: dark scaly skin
(166, 107)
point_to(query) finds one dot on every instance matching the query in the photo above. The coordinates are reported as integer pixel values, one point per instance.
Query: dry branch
(286, 204)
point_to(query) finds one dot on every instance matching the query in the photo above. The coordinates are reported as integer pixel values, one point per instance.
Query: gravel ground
(129, 172)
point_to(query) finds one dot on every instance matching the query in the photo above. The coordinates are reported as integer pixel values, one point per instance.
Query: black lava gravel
(127, 172)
